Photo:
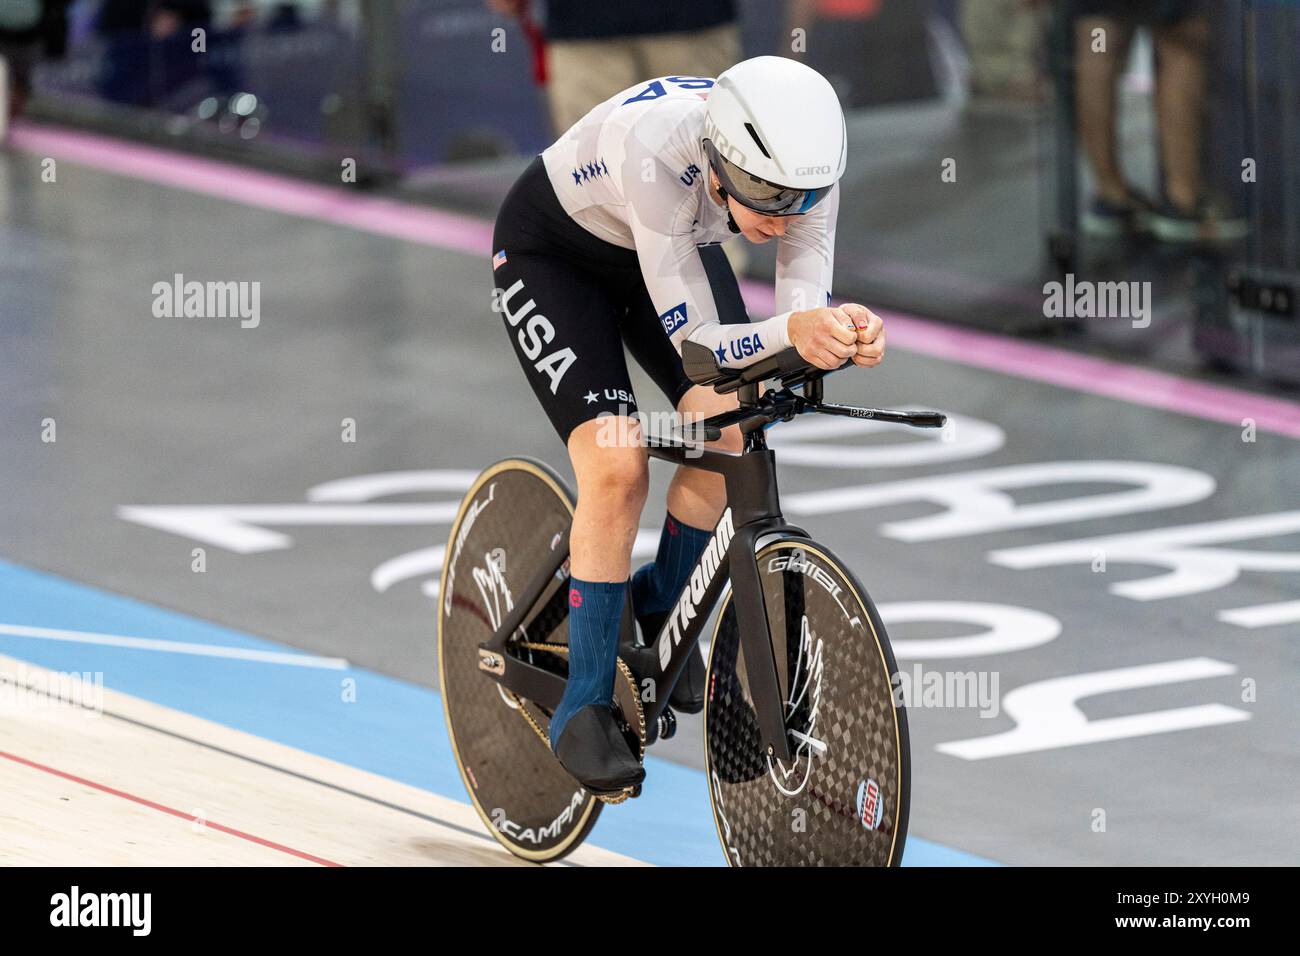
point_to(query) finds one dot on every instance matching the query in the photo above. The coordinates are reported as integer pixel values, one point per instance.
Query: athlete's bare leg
(698, 497)
(613, 477)
(613, 480)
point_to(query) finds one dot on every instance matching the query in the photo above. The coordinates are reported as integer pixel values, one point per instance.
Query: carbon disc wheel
(842, 800)
(510, 521)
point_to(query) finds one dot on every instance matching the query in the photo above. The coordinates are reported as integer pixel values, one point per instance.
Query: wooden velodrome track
(139, 782)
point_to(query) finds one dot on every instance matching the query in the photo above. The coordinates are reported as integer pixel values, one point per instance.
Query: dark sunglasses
(759, 195)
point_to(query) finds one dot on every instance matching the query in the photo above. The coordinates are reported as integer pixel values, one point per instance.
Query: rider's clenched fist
(827, 337)
(871, 334)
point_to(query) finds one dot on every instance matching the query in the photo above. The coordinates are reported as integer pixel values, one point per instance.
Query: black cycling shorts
(570, 301)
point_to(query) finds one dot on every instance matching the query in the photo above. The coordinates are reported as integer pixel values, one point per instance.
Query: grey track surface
(401, 339)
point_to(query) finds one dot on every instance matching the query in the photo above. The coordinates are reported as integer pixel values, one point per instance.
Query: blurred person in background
(874, 52)
(1180, 31)
(287, 18)
(147, 47)
(595, 49)
(1003, 39)
(29, 30)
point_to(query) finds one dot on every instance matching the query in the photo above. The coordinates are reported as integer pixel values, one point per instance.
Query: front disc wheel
(842, 798)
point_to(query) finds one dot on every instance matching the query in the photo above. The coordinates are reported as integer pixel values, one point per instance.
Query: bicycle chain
(624, 670)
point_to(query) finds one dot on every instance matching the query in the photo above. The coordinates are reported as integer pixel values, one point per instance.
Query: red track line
(170, 810)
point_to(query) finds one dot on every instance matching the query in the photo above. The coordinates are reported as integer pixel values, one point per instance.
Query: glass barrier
(281, 77)
(1121, 171)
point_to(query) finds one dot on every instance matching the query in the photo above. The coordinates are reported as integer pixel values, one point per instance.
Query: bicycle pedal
(627, 793)
(666, 726)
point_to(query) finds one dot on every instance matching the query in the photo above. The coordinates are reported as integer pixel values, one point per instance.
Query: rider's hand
(826, 337)
(871, 334)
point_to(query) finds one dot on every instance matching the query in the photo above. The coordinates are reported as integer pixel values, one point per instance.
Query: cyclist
(611, 236)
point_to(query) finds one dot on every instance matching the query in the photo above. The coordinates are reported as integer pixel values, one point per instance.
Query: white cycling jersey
(633, 172)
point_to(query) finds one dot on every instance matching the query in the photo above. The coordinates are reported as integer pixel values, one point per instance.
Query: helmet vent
(758, 142)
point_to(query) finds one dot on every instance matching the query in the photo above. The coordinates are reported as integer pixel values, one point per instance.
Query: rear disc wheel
(510, 521)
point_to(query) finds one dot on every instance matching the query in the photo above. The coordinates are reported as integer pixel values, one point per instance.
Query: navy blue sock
(595, 610)
(655, 586)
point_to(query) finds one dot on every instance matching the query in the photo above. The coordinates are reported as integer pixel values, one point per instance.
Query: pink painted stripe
(338, 205)
(1082, 373)
(464, 234)
(171, 811)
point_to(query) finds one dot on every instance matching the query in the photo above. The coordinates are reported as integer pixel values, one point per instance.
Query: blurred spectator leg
(583, 73)
(1180, 97)
(1188, 210)
(695, 53)
(1002, 38)
(1101, 55)
(1098, 81)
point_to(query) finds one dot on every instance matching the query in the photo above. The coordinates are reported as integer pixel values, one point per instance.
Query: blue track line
(366, 720)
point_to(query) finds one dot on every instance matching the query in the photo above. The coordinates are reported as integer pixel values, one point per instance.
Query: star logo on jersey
(585, 174)
(721, 352)
(591, 398)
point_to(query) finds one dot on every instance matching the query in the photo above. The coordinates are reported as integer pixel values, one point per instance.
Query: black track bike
(805, 740)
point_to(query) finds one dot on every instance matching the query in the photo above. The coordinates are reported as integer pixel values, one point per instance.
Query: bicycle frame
(753, 511)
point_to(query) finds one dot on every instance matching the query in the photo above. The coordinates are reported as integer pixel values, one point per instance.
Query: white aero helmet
(774, 134)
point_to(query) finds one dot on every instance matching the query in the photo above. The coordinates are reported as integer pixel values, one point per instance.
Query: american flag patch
(498, 260)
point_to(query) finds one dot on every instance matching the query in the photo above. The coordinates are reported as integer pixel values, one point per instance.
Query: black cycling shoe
(687, 695)
(595, 753)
